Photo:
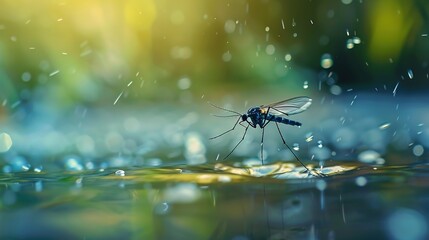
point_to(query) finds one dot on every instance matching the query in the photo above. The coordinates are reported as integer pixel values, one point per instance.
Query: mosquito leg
(244, 135)
(264, 124)
(226, 131)
(266, 121)
(284, 142)
(262, 146)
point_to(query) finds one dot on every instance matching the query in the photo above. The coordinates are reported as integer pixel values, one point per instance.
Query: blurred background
(108, 77)
(105, 119)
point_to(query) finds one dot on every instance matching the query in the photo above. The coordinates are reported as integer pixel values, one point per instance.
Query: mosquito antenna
(228, 110)
(215, 115)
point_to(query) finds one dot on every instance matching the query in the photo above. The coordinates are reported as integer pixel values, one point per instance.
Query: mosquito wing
(289, 106)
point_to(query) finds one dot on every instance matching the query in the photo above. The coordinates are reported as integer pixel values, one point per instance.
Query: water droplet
(224, 179)
(5, 142)
(321, 184)
(305, 86)
(120, 173)
(229, 26)
(346, 2)
(78, 183)
(161, 208)
(384, 126)
(350, 44)
(227, 56)
(38, 186)
(361, 181)
(335, 90)
(410, 74)
(194, 149)
(154, 162)
(295, 147)
(356, 40)
(267, 29)
(326, 61)
(18, 164)
(73, 164)
(26, 76)
(320, 154)
(368, 156)
(85, 144)
(182, 193)
(407, 223)
(288, 57)
(270, 49)
(309, 137)
(181, 52)
(184, 83)
(418, 150)
(321, 164)
(7, 169)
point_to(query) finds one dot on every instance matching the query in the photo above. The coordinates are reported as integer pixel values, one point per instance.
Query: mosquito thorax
(254, 110)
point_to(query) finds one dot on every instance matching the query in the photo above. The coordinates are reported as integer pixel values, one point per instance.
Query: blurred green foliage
(63, 53)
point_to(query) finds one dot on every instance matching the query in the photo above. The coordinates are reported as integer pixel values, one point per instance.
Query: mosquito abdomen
(287, 121)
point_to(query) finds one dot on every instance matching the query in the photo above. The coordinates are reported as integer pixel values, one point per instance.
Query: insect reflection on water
(261, 116)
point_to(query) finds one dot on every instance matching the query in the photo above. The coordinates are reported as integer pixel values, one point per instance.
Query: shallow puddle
(216, 201)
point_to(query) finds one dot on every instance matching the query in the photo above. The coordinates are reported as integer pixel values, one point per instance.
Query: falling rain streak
(384, 126)
(54, 73)
(117, 99)
(410, 74)
(394, 90)
(353, 101)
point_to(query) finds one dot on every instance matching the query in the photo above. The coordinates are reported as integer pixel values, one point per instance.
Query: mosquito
(261, 116)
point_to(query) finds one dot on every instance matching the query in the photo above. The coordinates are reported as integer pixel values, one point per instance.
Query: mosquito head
(244, 117)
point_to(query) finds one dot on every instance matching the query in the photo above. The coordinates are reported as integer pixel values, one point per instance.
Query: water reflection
(216, 202)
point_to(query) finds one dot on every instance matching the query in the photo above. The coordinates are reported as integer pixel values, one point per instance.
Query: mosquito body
(262, 115)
